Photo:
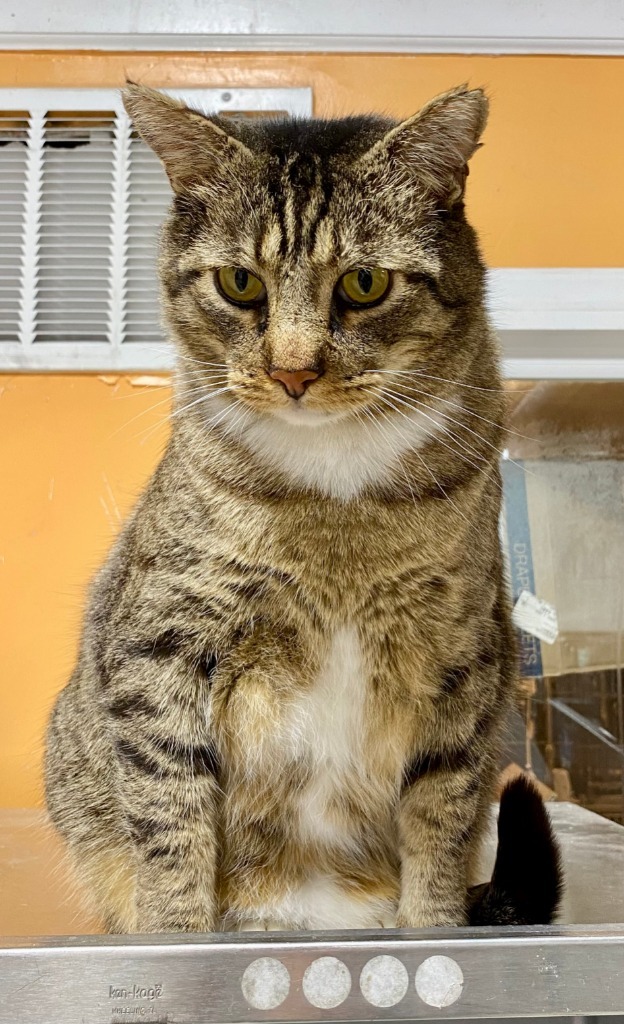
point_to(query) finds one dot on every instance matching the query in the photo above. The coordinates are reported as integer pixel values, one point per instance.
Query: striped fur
(297, 658)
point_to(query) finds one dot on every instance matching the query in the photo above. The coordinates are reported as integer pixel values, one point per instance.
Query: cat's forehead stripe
(324, 241)
(271, 243)
(300, 203)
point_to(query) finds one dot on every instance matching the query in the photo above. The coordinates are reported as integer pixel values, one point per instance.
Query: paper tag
(536, 617)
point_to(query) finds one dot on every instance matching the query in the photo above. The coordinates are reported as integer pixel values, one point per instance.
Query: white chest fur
(326, 728)
(339, 457)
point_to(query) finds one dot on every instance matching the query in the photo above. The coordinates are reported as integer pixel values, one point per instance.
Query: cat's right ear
(192, 148)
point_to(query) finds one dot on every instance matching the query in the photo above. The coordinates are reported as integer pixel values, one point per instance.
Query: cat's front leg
(439, 823)
(169, 797)
(172, 820)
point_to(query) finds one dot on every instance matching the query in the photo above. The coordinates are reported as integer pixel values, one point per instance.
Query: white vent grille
(14, 128)
(148, 195)
(81, 203)
(74, 227)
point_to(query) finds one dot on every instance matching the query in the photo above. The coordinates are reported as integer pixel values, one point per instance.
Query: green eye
(364, 287)
(241, 286)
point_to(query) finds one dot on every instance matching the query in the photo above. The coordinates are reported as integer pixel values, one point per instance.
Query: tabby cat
(297, 658)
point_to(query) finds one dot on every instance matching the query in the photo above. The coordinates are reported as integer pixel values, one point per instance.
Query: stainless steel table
(573, 969)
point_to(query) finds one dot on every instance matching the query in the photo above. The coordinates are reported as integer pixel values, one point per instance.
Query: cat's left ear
(434, 146)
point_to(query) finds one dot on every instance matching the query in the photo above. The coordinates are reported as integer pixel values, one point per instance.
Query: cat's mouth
(302, 416)
(325, 400)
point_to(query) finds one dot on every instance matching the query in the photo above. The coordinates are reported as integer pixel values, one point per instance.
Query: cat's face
(302, 261)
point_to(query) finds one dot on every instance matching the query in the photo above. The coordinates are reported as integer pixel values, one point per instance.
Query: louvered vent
(75, 226)
(148, 196)
(81, 204)
(14, 129)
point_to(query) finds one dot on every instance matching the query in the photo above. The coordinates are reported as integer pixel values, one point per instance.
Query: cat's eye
(240, 286)
(364, 287)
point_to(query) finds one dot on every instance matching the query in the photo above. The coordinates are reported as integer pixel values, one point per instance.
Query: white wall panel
(486, 26)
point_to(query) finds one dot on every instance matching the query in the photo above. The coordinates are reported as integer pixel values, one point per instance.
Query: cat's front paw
(263, 926)
(431, 918)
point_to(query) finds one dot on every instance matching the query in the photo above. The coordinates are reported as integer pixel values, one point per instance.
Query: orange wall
(75, 450)
(74, 453)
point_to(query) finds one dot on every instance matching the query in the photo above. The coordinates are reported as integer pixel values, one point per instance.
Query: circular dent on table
(326, 982)
(265, 983)
(439, 981)
(384, 981)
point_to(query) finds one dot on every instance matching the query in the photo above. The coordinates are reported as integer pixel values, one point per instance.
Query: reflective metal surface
(462, 974)
(572, 970)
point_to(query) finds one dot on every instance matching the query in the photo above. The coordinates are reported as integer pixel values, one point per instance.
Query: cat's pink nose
(295, 381)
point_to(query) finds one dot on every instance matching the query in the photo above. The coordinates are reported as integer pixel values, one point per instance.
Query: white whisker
(397, 454)
(204, 398)
(458, 405)
(139, 415)
(170, 380)
(447, 380)
(201, 362)
(430, 472)
(417, 406)
(157, 405)
(207, 382)
(420, 413)
(216, 419)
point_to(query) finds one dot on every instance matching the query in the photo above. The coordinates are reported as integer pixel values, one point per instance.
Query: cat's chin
(300, 416)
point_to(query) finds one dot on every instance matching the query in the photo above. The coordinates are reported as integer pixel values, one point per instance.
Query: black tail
(527, 883)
